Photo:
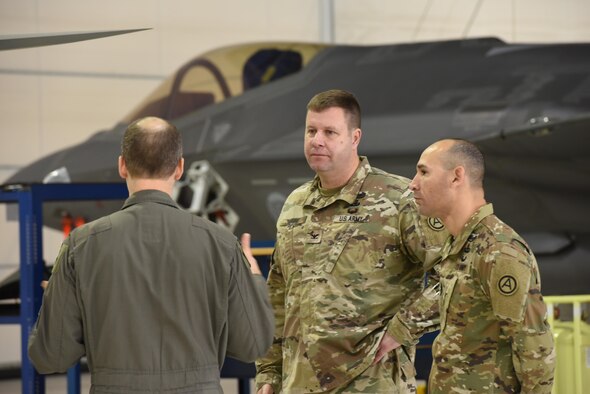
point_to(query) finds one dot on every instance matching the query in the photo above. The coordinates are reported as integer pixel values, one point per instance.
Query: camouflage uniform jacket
(494, 335)
(343, 266)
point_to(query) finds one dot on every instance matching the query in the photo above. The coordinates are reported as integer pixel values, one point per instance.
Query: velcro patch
(313, 236)
(435, 224)
(351, 218)
(509, 286)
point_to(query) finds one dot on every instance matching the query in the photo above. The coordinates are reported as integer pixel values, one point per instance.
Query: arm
(56, 342)
(514, 289)
(534, 360)
(269, 368)
(419, 318)
(250, 317)
(422, 244)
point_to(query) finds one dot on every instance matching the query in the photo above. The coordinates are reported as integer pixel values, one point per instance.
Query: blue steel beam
(30, 199)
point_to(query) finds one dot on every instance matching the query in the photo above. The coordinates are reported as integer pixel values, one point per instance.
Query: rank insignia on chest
(313, 236)
(351, 218)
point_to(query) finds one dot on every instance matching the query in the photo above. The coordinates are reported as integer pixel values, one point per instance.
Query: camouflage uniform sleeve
(421, 242)
(421, 317)
(510, 277)
(269, 368)
(422, 238)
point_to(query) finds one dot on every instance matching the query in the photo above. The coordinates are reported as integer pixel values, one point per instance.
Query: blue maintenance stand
(30, 199)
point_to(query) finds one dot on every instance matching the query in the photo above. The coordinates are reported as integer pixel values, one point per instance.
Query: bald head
(151, 148)
(458, 152)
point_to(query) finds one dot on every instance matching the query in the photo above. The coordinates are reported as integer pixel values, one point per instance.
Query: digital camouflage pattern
(494, 334)
(343, 266)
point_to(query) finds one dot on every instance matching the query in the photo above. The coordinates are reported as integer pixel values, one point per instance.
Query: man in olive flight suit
(154, 296)
(494, 334)
(351, 252)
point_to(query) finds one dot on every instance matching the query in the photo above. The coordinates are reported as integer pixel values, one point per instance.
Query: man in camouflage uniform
(494, 335)
(351, 251)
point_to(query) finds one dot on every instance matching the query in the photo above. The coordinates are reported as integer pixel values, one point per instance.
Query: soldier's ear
(356, 137)
(458, 175)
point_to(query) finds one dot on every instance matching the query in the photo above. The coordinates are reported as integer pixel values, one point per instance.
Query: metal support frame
(30, 199)
(576, 302)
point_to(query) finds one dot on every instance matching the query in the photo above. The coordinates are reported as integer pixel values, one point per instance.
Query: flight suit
(155, 297)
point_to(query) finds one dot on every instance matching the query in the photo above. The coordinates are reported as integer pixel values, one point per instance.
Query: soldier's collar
(465, 234)
(348, 192)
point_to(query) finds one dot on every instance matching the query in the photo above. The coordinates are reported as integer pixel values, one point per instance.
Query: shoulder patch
(435, 224)
(509, 286)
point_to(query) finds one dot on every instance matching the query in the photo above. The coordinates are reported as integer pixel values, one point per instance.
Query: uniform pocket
(337, 248)
(291, 237)
(405, 362)
(448, 286)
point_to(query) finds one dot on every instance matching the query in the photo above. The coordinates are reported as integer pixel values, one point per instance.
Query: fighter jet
(241, 111)
(21, 41)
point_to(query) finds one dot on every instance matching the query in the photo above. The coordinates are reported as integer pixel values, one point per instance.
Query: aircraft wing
(539, 176)
(44, 39)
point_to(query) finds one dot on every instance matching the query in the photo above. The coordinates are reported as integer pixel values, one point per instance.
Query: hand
(44, 284)
(248, 252)
(388, 343)
(266, 389)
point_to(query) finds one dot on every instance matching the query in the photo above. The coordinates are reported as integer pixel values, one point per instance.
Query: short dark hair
(151, 148)
(340, 99)
(467, 154)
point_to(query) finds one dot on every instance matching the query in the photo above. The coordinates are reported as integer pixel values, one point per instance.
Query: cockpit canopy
(223, 73)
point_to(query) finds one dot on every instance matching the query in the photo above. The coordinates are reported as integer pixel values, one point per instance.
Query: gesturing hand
(248, 252)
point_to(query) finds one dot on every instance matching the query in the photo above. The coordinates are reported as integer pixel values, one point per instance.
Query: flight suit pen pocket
(337, 248)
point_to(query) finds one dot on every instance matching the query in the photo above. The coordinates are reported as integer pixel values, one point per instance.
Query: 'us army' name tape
(351, 218)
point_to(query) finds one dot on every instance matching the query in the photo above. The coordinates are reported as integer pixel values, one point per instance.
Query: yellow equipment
(572, 344)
